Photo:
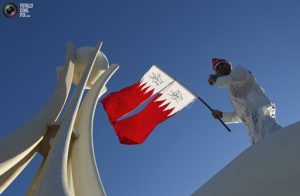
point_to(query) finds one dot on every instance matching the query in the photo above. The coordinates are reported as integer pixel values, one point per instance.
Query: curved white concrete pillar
(84, 168)
(270, 167)
(18, 145)
(36, 179)
(54, 177)
(9, 176)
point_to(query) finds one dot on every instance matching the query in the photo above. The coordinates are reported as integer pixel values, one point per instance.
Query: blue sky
(180, 37)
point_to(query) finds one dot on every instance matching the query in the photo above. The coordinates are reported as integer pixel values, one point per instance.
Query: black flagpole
(221, 121)
(212, 110)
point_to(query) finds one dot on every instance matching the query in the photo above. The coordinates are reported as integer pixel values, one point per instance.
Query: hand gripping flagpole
(221, 121)
(228, 129)
(204, 102)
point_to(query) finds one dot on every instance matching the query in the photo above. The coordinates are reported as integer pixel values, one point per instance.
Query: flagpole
(204, 102)
(228, 129)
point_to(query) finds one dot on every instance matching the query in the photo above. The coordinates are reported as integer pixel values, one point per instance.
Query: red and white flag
(118, 104)
(169, 100)
(135, 129)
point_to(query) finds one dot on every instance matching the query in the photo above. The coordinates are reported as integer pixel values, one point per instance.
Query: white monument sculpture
(270, 167)
(69, 166)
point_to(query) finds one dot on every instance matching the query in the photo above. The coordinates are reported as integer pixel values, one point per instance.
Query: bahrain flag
(135, 129)
(118, 104)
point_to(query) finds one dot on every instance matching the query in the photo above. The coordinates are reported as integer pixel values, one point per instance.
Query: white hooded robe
(251, 105)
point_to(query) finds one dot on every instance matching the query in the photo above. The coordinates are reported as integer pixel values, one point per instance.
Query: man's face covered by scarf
(223, 69)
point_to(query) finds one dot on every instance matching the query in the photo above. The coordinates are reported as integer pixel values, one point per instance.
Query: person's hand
(217, 114)
(212, 79)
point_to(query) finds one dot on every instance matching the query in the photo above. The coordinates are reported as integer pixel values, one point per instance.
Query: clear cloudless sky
(181, 37)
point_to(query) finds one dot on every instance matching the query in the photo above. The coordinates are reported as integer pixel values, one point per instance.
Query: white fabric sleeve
(231, 117)
(239, 75)
(223, 82)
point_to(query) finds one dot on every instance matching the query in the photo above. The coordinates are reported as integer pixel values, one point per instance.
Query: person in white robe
(250, 102)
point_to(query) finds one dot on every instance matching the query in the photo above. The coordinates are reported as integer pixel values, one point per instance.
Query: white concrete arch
(31, 133)
(83, 158)
(54, 177)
